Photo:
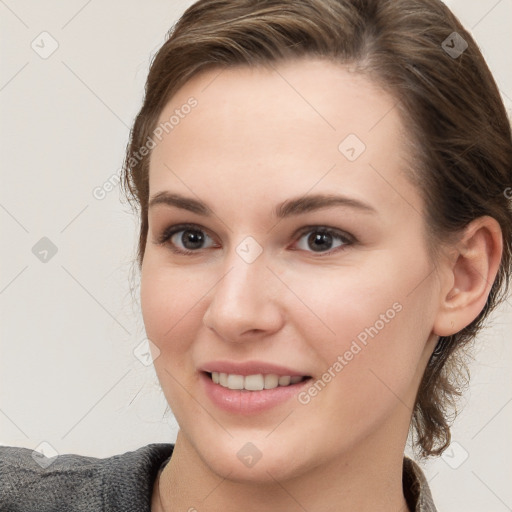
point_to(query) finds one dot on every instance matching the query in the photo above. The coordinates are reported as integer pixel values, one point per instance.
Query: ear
(469, 275)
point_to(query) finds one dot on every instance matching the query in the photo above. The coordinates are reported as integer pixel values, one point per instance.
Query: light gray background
(69, 327)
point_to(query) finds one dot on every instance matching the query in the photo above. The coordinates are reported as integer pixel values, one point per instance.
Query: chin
(261, 461)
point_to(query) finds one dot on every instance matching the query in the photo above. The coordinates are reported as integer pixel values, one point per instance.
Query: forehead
(282, 130)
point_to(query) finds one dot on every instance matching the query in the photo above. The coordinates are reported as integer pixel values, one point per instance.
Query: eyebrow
(288, 208)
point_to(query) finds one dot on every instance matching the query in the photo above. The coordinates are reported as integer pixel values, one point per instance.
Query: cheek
(170, 301)
(368, 326)
(337, 306)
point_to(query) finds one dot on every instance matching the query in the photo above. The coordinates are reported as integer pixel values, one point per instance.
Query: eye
(188, 239)
(321, 240)
(190, 236)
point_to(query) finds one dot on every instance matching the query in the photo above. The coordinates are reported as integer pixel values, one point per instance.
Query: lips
(250, 387)
(251, 368)
(245, 402)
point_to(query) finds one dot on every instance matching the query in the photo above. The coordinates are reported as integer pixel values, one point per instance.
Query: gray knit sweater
(75, 483)
(122, 483)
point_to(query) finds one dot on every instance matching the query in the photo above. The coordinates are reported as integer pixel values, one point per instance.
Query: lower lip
(241, 401)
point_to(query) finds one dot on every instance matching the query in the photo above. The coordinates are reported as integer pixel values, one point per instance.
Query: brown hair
(461, 143)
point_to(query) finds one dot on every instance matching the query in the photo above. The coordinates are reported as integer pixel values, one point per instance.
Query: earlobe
(470, 275)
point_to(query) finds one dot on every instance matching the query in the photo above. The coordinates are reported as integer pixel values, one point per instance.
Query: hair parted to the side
(460, 136)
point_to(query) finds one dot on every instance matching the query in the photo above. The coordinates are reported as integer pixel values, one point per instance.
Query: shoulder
(71, 482)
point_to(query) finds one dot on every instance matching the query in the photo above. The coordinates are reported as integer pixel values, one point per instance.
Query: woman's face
(341, 291)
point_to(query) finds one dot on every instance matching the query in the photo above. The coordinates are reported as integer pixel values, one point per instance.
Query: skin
(257, 138)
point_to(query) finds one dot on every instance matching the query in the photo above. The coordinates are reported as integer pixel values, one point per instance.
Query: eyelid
(346, 237)
(171, 230)
(326, 229)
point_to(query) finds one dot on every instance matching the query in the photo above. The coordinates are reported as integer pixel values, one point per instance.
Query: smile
(256, 382)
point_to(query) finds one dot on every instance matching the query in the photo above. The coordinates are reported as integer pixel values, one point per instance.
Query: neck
(363, 482)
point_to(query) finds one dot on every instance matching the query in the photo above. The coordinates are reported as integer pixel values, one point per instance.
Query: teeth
(271, 381)
(253, 382)
(284, 381)
(235, 382)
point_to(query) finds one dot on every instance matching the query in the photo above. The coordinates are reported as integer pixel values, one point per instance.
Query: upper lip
(249, 368)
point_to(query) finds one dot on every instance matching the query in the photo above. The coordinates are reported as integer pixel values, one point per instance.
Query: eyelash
(347, 239)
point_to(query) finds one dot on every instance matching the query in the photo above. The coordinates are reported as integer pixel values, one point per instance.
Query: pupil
(194, 237)
(320, 238)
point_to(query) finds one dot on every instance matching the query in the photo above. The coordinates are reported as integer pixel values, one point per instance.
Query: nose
(245, 302)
